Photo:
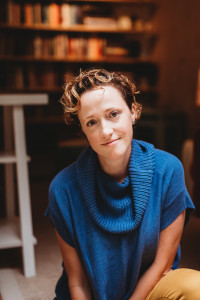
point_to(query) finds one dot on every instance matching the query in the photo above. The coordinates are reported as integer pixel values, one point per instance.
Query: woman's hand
(167, 248)
(77, 279)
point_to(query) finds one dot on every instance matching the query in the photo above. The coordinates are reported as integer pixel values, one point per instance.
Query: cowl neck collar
(111, 216)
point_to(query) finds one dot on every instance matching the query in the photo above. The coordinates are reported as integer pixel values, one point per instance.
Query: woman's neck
(118, 170)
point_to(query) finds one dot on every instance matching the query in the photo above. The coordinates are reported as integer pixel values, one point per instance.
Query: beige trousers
(180, 284)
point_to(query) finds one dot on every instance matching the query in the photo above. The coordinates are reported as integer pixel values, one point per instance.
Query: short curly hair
(94, 79)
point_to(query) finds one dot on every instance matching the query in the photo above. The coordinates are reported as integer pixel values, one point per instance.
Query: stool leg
(9, 168)
(23, 192)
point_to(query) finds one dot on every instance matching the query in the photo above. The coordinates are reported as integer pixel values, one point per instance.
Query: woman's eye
(91, 123)
(114, 114)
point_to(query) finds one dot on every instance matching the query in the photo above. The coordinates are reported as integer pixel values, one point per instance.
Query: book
(13, 13)
(44, 14)
(46, 46)
(65, 15)
(49, 77)
(61, 46)
(116, 51)
(9, 12)
(16, 13)
(37, 13)
(100, 21)
(95, 48)
(71, 48)
(16, 77)
(38, 46)
(54, 14)
(33, 76)
(76, 16)
(28, 14)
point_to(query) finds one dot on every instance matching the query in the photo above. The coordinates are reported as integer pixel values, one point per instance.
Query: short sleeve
(59, 213)
(176, 198)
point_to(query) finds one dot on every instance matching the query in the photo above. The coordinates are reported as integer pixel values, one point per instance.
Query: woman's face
(107, 123)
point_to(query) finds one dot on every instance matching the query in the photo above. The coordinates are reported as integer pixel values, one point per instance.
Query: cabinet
(43, 42)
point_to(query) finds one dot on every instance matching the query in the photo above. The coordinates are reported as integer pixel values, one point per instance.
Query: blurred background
(156, 43)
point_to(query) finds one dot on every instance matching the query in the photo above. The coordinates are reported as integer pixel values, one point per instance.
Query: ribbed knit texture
(117, 207)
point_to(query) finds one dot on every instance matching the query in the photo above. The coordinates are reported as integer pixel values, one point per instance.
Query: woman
(120, 209)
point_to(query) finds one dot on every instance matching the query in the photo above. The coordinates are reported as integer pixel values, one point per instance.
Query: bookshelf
(41, 42)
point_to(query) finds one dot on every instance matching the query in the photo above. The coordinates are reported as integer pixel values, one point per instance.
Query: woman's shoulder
(64, 178)
(166, 159)
(168, 166)
(163, 159)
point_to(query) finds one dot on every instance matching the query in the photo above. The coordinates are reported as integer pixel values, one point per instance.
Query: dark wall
(177, 53)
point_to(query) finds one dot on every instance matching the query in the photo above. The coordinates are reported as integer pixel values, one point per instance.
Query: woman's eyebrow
(106, 110)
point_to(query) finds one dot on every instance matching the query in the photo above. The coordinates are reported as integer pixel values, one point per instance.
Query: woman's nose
(106, 129)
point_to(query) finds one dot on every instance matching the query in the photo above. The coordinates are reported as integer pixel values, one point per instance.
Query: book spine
(65, 15)
(28, 14)
(33, 81)
(54, 14)
(9, 12)
(37, 13)
(38, 46)
(44, 14)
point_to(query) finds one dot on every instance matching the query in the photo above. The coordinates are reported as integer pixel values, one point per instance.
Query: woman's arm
(77, 278)
(167, 247)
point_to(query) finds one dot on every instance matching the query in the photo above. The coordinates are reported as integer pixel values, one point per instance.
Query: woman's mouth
(109, 143)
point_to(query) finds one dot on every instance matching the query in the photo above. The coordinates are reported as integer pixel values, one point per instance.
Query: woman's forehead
(108, 92)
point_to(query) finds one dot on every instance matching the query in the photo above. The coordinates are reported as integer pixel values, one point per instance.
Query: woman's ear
(133, 113)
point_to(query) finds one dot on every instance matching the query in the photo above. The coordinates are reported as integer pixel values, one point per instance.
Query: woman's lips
(110, 142)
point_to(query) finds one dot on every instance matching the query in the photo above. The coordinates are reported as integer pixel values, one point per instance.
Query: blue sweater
(115, 227)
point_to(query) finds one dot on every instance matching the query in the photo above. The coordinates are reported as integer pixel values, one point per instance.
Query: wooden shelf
(56, 119)
(10, 234)
(77, 28)
(35, 73)
(113, 1)
(74, 60)
(148, 89)
(39, 89)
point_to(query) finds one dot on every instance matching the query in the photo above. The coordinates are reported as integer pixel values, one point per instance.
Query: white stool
(17, 232)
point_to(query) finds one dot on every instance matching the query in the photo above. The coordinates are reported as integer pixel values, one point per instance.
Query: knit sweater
(115, 227)
(113, 215)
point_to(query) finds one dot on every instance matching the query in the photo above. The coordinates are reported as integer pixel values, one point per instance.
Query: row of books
(53, 14)
(50, 77)
(30, 13)
(62, 14)
(30, 77)
(60, 46)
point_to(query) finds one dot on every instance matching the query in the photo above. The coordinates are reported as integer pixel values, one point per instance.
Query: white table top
(23, 99)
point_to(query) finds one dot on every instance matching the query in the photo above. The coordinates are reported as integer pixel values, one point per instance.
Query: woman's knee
(182, 284)
(188, 283)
